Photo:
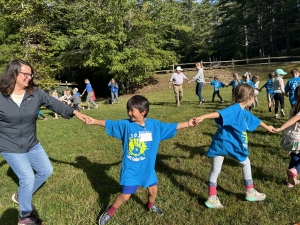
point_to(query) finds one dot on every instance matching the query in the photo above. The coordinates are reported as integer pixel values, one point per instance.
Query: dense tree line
(128, 40)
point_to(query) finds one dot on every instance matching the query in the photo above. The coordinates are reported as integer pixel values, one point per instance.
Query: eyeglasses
(28, 74)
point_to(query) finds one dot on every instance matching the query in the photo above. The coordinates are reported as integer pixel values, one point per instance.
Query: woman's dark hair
(297, 97)
(243, 92)
(10, 74)
(139, 102)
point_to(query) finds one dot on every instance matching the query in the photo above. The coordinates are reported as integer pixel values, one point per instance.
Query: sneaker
(213, 202)
(45, 118)
(104, 218)
(270, 109)
(292, 176)
(289, 185)
(156, 210)
(15, 199)
(253, 195)
(277, 117)
(282, 112)
(30, 220)
(96, 106)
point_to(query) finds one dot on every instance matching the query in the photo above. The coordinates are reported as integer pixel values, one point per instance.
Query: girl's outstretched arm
(212, 115)
(189, 123)
(288, 123)
(268, 128)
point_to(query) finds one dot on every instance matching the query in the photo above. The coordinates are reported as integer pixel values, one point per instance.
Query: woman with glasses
(20, 101)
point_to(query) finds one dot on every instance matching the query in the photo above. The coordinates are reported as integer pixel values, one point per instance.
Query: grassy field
(87, 162)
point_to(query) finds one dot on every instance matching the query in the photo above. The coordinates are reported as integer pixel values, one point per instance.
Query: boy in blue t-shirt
(140, 141)
(217, 85)
(269, 88)
(291, 85)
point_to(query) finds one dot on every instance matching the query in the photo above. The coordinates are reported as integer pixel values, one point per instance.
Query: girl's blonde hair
(54, 94)
(243, 92)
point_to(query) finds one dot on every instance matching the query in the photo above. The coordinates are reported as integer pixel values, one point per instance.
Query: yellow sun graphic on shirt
(136, 147)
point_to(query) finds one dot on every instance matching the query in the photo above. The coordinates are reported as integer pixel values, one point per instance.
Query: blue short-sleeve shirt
(231, 137)
(138, 162)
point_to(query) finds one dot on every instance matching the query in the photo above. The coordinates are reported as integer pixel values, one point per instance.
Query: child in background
(291, 86)
(140, 141)
(80, 104)
(40, 113)
(55, 96)
(114, 88)
(255, 81)
(93, 95)
(278, 88)
(76, 100)
(231, 140)
(270, 93)
(234, 83)
(217, 85)
(291, 140)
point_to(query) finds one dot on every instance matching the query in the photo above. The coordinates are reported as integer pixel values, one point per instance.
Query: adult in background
(89, 90)
(200, 80)
(177, 79)
(278, 88)
(291, 85)
(114, 88)
(20, 101)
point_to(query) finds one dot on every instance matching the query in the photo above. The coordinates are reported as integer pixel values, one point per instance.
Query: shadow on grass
(172, 173)
(9, 217)
(103, 184)
(3, 163)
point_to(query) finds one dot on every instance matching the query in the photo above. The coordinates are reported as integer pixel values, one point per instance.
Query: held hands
(271, 129)
(276, 130)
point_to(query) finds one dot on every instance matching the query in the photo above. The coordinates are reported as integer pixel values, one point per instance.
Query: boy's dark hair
(243, 92)
(294, 71)
(271, 75)
(140, 103)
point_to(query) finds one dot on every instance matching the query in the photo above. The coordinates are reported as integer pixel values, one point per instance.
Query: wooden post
(232, 63)
(269, 61)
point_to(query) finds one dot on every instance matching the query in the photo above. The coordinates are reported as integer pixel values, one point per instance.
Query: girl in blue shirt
(231, 140)
(217, 85)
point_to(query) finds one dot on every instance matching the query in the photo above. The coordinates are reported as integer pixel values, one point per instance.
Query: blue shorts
(132, 189)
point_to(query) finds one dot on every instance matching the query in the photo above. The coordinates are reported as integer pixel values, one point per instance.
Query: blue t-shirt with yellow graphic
(140, 145)
(231, 136)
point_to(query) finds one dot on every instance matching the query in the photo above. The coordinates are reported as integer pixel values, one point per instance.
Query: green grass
(87, 162)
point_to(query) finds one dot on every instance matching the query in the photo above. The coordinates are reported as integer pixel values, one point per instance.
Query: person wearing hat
(199, 78)
(177, 79)
(278, 88)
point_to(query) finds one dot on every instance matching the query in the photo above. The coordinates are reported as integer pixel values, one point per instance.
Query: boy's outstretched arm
(213, 115)
(182, 125)
(288, 123)
(90, 120)
(268, 128)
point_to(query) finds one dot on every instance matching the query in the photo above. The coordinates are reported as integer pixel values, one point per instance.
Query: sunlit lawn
(87, 162)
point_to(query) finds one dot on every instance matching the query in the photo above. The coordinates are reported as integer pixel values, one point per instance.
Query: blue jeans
(24, 165)
(114, 94)
(295, 161)
(199, 87)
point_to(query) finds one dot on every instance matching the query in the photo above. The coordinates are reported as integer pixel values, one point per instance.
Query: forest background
(72, 40)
